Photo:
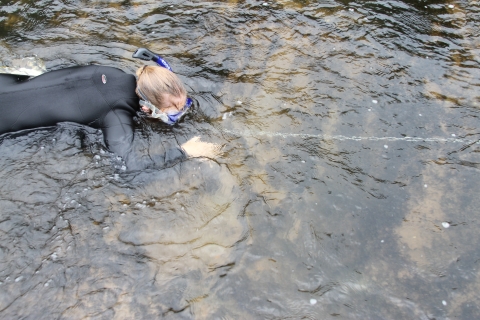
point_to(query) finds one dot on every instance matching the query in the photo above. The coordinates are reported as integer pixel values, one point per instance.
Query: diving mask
(168, 118)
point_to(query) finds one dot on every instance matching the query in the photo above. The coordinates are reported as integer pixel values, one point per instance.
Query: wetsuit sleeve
(118, 131)
(147, 155)
(10, 79)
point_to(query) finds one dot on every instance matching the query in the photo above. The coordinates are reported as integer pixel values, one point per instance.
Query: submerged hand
(196, 148)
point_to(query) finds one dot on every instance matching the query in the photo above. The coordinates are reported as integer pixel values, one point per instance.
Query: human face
(173, 108)
(171, 104)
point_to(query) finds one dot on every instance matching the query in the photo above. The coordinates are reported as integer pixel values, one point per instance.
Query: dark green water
(347, 188)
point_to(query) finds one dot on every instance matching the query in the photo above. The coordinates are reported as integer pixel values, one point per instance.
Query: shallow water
(347, 187)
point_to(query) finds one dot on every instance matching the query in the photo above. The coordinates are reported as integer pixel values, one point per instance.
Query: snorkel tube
(147, 55)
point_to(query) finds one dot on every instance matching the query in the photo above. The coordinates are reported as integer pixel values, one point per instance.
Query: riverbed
(346, 187)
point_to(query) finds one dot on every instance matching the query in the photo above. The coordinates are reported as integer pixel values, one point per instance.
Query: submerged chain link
(249, 133)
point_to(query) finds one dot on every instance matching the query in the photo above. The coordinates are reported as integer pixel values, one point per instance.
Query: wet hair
(156, 81)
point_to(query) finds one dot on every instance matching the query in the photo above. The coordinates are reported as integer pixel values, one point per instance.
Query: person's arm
(169, 152)
(118, 131)
(118, 135)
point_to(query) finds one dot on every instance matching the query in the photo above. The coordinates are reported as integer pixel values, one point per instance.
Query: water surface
(347, 187)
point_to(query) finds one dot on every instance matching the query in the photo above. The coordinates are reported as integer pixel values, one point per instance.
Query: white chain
(248, 133)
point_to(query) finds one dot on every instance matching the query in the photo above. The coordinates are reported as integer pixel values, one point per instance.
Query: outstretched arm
(118, 134)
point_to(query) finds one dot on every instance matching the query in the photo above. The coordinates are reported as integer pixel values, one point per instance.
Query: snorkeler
(101, 97)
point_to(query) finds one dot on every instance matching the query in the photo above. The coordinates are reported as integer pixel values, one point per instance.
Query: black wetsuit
(97, 96)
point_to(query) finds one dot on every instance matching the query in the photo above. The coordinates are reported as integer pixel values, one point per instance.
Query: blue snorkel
(172, 118)
(147, 55)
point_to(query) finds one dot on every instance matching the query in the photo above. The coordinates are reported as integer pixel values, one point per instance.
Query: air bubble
(445, 225)
(312, 301)
(374, 101)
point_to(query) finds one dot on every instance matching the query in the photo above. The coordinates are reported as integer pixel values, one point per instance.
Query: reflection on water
(299, 217)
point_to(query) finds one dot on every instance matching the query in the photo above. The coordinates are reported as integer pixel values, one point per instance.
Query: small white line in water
(248, 133)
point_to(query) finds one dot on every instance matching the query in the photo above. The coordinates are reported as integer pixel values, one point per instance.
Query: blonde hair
(154, 82)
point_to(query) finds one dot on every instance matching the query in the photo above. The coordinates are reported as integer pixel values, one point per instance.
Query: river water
(347, 187)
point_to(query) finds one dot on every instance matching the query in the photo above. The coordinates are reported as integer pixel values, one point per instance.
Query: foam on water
(249, 133)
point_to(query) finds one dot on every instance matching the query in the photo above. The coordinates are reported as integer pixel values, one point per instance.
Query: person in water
(101, 97)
